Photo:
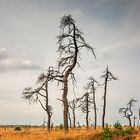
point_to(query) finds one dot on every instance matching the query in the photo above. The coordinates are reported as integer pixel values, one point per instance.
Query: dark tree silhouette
(91, 88)
(108, 76)
(72, 106)
(70, 42)
(85, 104)
(127, 111)
(40, 94)
(134, 120)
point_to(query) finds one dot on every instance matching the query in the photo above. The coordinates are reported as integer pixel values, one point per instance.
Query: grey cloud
(3, 53)
(8, 63)
(15, 64)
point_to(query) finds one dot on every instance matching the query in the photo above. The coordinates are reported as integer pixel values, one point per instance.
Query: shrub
(129, 130)
(61, 126)
(117, 125)
(106, 134)
(18, 128)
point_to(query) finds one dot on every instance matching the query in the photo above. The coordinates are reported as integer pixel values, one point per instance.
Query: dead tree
(85, 104)
(108, 76)
(127, 111)
(72, 106)
(91, 88)
(40, 94)
(70, 42)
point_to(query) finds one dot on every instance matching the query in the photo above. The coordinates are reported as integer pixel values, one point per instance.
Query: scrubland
(73, 134)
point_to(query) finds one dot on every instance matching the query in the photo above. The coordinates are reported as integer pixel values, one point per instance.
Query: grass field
(42, 134)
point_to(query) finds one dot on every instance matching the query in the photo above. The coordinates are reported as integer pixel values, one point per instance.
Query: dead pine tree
(40, 94)
(108, 76)
(92, 89)
(70, 42)
(85, 105)
(127, 111)
(72, 106)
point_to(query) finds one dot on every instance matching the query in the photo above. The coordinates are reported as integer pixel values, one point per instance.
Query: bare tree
(127, 111)
(70, 42)
(40, 94)
(85, 104)
(72, 106)
(91, 87)
(108, 76)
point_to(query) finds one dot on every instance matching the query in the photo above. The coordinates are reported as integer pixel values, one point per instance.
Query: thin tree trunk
(65, 103)
(104, 105)
(49, 123)
(87, 108)
(130, 124)
(69, 119)
(73, 111)
(95, 111)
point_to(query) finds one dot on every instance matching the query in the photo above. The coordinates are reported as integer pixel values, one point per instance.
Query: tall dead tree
(72, 106)
(127, 111)
(85, 105)
(91, 88)
(40, 94)
(108, 76)
(70, 42)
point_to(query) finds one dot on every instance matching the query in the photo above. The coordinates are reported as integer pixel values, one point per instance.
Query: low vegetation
(116, 132)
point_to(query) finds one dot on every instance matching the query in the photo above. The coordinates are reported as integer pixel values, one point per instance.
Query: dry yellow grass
(42, 134)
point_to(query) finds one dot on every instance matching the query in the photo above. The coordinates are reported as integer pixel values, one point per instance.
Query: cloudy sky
(28, 45)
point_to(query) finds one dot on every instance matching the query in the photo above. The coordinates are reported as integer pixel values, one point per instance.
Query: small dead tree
(70, 42)
(108, 76)
(85, 104)
(40, 94)
(127, 111)
(72, 106)
(91, 88)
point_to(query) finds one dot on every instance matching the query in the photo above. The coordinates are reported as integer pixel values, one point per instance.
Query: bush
(106, 134)
(18, 128)
(117, 125)
(61, 126)
(129, 130)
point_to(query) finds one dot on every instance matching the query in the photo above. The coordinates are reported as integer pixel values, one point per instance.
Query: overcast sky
(28, 45)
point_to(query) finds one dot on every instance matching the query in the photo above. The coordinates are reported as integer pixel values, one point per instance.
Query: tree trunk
(49, 123)
(69, 119)
(130, 124)
(87, 109)
(73, 111)
(65, 103)
(104, 105)
(95, 112)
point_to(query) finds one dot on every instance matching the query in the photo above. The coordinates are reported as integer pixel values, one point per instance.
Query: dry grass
(42, 134)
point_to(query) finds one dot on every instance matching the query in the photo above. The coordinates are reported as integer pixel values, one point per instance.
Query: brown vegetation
(74, 134)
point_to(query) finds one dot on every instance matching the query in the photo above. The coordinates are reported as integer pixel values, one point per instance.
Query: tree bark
(65, 103)
(104, 99)
(69, 118)
(87, 110)
(130, 124)
(95, 111)
(73, 112)
(49, 123)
